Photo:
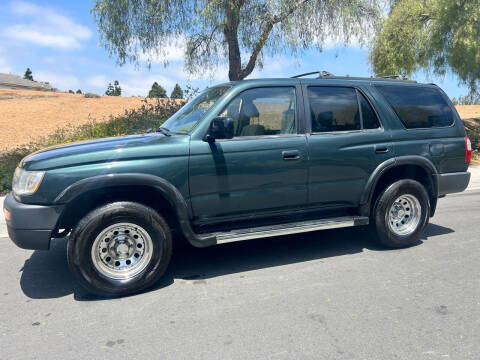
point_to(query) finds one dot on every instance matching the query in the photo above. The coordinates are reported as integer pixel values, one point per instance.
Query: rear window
(417, 106)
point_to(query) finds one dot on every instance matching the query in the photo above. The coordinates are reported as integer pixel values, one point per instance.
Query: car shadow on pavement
(46, 274)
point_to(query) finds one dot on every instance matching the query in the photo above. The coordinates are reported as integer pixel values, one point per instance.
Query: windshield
(189, 115)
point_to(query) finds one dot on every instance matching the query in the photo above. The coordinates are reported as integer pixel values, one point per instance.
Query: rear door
(346, 143)
(263, 169)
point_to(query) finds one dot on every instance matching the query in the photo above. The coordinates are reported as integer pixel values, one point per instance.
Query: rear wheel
(401, 213)
(120, 248)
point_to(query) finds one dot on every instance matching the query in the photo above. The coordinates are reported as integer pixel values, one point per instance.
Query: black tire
(380, 215)
(79, 248)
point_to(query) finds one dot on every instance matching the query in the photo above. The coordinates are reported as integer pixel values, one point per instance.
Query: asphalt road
(325, 295)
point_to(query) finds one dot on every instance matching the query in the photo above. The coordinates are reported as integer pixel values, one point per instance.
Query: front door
(260, 171)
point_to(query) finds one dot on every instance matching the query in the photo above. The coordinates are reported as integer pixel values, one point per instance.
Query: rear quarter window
(418, 106)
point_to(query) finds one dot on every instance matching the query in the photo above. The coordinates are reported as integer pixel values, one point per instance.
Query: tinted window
(370, 120)
(263, 111)
(418, 106)
(333, 109)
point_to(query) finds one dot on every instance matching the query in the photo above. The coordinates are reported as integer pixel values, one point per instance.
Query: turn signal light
(8, 214)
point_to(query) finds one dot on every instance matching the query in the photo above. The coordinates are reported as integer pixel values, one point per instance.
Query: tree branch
(203, 39)
(264, 36)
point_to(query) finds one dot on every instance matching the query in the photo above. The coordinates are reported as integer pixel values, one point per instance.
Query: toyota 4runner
(244, 160)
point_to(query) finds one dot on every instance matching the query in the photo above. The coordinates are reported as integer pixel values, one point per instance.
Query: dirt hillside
(26, 115)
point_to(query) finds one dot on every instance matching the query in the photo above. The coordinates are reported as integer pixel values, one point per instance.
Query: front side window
(263, 111)
(418, 106)
(334, 109)
(188, 116)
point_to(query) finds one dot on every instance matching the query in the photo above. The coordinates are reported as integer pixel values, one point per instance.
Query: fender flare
(165, 188)
(381, 169)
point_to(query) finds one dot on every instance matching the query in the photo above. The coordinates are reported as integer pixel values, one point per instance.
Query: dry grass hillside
(27, 115)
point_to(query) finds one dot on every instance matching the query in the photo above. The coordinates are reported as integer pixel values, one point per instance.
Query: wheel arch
(404, 167)
(156, 192)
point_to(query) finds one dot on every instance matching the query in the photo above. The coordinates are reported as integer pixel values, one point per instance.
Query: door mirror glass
(221, 127)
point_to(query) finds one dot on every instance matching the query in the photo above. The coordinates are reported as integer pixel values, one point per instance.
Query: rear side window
(417, 106)
(333, 109)
(370, 120)
(340, 109)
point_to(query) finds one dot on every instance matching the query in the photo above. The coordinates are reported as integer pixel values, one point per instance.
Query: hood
(101, 150)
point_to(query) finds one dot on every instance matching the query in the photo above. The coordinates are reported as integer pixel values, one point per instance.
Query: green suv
(244, 160)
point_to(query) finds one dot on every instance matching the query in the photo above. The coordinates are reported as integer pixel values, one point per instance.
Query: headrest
(249, 109)
(325, 117)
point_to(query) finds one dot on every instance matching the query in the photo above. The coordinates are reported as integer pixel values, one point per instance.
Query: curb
(3, 225)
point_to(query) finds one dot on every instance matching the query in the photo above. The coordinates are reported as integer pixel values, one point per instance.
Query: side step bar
(288, 228)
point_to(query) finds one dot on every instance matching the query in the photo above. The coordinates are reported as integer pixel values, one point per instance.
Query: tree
(28, 75)
(79, 91)
(71, 91)
(438, 35)
(473, 98)
(177, 92)
(114, 90)
(110, 91)
(117, 90)
(239, 33)
(157, 91)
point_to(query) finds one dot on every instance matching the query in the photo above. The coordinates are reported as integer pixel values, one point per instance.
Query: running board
(288, 228)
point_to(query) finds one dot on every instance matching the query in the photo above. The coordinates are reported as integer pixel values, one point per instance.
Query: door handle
(381, 149)
(291, 155)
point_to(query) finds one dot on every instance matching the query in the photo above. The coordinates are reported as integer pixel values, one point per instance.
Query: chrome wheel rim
(121, 251)
(404, 215)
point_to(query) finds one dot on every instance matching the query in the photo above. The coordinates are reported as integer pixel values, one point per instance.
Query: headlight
(26, 182)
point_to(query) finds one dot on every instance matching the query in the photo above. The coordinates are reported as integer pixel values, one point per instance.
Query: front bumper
(452, 182)
(31, 226)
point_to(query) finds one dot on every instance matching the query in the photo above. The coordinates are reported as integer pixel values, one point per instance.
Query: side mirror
(221, 127)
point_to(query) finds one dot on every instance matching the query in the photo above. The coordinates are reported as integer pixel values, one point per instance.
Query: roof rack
(395, 77)
(322, 74)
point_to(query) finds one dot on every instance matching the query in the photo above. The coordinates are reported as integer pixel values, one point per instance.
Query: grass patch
(148, 116)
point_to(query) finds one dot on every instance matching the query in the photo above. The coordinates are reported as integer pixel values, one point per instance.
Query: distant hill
(26, 115)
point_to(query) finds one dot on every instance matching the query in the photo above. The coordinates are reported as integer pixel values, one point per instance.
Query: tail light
(468, 150)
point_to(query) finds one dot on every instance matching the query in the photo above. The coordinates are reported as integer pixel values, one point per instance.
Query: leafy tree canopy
(28, 75)
(438, 35)
(157, 91)
(234, 32)
(177, 92)
(79, 91)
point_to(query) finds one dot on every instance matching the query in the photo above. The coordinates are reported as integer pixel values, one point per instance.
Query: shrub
(91, 95)
(148, 116)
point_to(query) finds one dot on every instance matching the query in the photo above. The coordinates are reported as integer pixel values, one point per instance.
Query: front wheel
(119, 249)
(401, 213)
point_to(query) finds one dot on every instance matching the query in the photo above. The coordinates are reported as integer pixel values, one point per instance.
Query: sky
(59, 42)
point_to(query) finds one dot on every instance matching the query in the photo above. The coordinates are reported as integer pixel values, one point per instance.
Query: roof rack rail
(395, 77)
(329, 76)
(321, 74)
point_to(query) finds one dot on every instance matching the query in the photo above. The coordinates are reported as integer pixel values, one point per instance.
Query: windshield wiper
(164, 131)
